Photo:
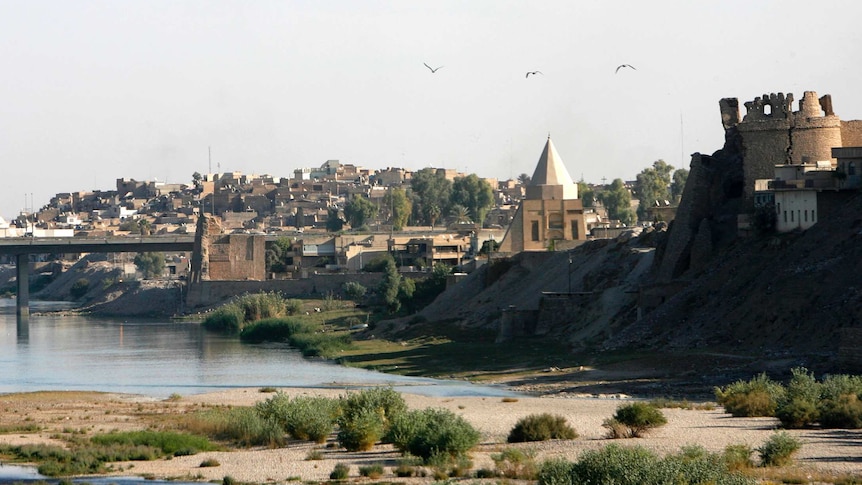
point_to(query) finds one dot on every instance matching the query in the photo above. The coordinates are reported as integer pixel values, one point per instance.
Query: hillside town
(332, 214)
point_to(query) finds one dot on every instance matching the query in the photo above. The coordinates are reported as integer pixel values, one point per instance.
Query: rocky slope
(781, 298)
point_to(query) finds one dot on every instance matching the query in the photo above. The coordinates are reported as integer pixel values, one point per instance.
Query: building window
(785, 216)
(555, 220)
(806, 215)
(534, 229)
(791, 217)
(851, 168)
(575, 233)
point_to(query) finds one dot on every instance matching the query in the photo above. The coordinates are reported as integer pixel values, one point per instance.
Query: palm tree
(524, 179)
(460, 214)
(433, 214)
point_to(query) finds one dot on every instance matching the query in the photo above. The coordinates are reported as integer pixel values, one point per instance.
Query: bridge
(23, 247)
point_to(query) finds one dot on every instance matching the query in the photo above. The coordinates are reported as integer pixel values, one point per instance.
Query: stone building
(773, 134)
(550, 213)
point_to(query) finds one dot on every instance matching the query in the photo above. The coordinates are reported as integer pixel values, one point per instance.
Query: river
(159, 358)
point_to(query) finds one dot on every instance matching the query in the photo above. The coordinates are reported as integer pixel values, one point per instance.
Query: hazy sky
(95, 91)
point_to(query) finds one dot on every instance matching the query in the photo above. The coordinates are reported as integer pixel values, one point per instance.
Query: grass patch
(444, 352)
(307, 337)
(243, 426)
(20, 428)
(169, 443)
(669, 403)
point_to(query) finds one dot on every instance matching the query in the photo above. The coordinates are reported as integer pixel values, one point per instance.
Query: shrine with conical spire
(550, 215)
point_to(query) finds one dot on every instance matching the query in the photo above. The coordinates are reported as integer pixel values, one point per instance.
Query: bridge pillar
(23, 273)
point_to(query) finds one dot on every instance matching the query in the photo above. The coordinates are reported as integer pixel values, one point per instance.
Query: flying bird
(624, 65)
(533, 73)
(433, 69)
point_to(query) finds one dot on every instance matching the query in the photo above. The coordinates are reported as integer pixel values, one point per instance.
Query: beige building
(550, 215)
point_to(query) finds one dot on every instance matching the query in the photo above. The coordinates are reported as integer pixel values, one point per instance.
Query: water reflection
(22, 329)
(159, 358)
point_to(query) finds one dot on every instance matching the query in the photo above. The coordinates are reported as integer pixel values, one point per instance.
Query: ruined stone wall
(773, 134)
(208, 293)
(816, 130)
(851, 133)
(237, 257)
(560, 311)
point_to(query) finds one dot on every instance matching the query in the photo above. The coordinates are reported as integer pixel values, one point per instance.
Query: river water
(158, 358)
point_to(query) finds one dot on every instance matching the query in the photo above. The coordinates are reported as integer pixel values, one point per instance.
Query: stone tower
(773, 134)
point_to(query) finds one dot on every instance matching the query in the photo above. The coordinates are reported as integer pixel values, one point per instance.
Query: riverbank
(65, 415)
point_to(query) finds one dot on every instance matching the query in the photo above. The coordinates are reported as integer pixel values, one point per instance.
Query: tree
(145, 227)
(358, 210)
(390, 286)
(653, 184)
(150, 264)
(399, 204)
(430, 193)
(586, 193)
(459, 214)
(680, 177)
(433, 214)
(276, 255)
(524, 179)
(475, 194)
(334, 222)
(618, 202)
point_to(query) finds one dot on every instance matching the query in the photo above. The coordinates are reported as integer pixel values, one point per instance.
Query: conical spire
(551, 171)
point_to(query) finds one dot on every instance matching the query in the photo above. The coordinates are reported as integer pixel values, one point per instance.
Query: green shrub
(797, 413)
(210, 462)
(634, 420)
(314, 455)
(799, 406)
(844, 412)
(541, 427)
(757, 397)
(79, 288)
(383, 401)
(274, 330)
(340, 472)
(615, 464)
(424, 432)
(304, 418)
(225, 319)
(516, 464)
(374, 471)
(738, 457)
(556, 471)
(361, 431)
(244, 309)
(293, 306)
(778, 450)
(835, 386)
(635, 466)
(695, 465)
(354, 290)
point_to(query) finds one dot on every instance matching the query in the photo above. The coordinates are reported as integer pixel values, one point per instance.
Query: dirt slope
(779, 298)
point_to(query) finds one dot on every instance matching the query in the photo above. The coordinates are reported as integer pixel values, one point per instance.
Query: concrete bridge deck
(23, 247)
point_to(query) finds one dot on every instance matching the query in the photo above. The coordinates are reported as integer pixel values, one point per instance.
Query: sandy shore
(837, 451)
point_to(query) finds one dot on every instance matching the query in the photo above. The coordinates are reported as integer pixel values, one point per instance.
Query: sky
(93, 91)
